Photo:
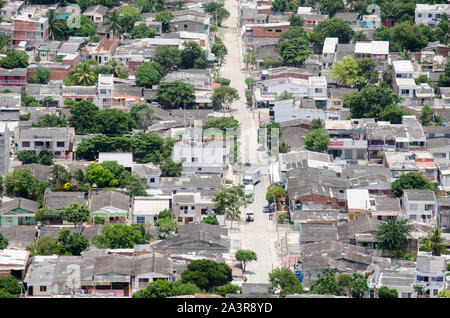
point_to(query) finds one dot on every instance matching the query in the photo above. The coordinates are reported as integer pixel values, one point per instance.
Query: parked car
(250, 216)
(269, 208)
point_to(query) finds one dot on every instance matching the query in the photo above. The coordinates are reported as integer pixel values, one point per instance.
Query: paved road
(232, 68)
(258, 236)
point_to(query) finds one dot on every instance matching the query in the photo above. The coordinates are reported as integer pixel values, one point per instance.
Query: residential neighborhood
(224, 149)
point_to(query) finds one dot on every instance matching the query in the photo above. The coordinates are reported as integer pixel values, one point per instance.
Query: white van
(22, 45)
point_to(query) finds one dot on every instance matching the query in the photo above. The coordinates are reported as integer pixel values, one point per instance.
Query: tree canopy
(333, 27)
(119, 236)
(412, 180)
(164, 288)
(207, 274)
(394, 233)
(175, 94)
(15, 59)
(317, 140)
(149, 74)
(284, 282)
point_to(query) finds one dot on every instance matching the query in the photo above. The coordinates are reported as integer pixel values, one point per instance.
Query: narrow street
(260, 235)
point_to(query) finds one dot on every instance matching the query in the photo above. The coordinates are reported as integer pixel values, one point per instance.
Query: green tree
(75, 213)
(135, 186)
(166, 214)
(245, 256)
(116, 68)
(275, 192)
(127, 17)
(45, 157)
(218, 48)
(175, 94)
(444, 79)
(419, 289)
(113, 122)
(59, 175)
(87, 28)
(407, 36)
(383, 33)
(149, 74)
(207, 274)
(119, 236)
(229, 201)
(317, 123)
(384, 292)
(394, 233)
(101, 176)
(331, 6)
(118, 171)
(20, 183)
(333, 27)
(83, 74)
(164, 17)
(3, 242)
(296, 20)
(331, 282)
(51, 120)
(41, 76)
(163, 289)
(217, 11)
(370, 101)
(15, 59)
(434, 242)
(224, 96)
(294, 51)
(222, 123)
(293, 32)
(412, 180)
(346, 72)
(441, 31)
(393, 114)
(44, 246)
(317, 140)
(165, 227)
(367, 68)
(445, 293)
(168, 57)
(57, 27)
(284, 282)
(27, 156)
(211, 219)
(10, 285)
(193, 56)
(150, 148)
(142, 115)
(170, 168)
(72, 243)
(228, 289)
(113, 22)
(142, 31)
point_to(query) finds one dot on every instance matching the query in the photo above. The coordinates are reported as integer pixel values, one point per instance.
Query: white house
(298, 87)
(146, 209)
(105, 87)
(286, 110)
(149, 174)
(430, 271)
(328, 52)
(419, 205)
(430, 14)
(379, 50)
(122, 158)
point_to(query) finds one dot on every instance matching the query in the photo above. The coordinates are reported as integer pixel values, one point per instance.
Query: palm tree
(55, 26)
(394, 233)
(80, 176)
(434, 242)
(419, 289)
(84, 74)
(116, 67)
(112, 21)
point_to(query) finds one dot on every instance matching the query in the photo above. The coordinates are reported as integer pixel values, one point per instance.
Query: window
(140, 219)
(152, 180)
(103, 91)
(269, 30)
(419, 15)
(413, 207)
(412, 217)
(405, 92)
(435, 292)
(39, 143)
(360, 154)
(278, 30)
(429, 207)
(318, 90)
(25, 144)
(60, 144)
(143, 282)
(348, 154)
(430, 15)
(43, 288)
